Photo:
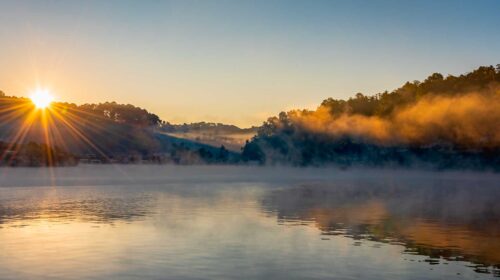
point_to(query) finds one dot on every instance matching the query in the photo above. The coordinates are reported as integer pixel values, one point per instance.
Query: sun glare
(41, 98)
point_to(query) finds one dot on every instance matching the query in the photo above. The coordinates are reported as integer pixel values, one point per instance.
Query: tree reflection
(445, 221)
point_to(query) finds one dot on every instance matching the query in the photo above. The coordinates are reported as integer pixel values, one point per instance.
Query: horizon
(266, 139)
(236, 63)
(45, 97)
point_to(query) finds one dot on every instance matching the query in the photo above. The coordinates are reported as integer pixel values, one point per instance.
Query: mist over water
(214, 222)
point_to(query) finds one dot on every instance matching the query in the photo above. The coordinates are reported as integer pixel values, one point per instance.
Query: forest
(93, 133)
(441, 122)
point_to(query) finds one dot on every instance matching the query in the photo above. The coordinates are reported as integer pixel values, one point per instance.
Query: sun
(41, 98)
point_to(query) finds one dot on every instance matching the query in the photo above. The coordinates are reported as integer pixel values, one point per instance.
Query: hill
(105, 132)
(442, 122)
(215, 134)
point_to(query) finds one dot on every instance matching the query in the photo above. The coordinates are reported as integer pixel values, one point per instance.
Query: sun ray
(14, 108)
(48, 143)
(73, 114)
(48, 122)
(12, 117)
(56, 132)
(19, 137)
(47, 138)
(80, 134)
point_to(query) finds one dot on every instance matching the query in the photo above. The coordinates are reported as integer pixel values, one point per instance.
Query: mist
(469, 121)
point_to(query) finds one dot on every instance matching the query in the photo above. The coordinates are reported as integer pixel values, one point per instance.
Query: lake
(214, 222)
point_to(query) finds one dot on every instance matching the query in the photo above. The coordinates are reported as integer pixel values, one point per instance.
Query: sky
(237, 62)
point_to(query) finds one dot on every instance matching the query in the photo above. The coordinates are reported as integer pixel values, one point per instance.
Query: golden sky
(234, 62)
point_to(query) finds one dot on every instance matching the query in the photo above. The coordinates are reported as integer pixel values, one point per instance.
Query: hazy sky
(234, 61)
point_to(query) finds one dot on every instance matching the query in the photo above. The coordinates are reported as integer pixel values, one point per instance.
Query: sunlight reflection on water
(248, 223)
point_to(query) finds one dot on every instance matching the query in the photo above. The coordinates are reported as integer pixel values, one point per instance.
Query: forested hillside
(451, 121)
(215, 134)
(105, 132)
(441, 122)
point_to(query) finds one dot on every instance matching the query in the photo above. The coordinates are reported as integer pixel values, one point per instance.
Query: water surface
(208, 222)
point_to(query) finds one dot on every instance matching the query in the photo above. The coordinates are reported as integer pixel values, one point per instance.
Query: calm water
(167, 222)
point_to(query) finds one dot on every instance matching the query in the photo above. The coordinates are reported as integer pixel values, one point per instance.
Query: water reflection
(443, 220)
(22, 206)
(203, 223)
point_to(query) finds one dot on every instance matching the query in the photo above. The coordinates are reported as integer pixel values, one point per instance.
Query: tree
(253, 152)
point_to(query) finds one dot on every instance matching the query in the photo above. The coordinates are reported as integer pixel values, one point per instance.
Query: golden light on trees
(51, 125)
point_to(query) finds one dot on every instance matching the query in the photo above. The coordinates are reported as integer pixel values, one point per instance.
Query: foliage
(383, 104)
(112, 111)
(441, 122)
(104, 132)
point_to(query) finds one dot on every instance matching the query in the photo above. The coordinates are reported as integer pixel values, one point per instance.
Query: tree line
(441, 122)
